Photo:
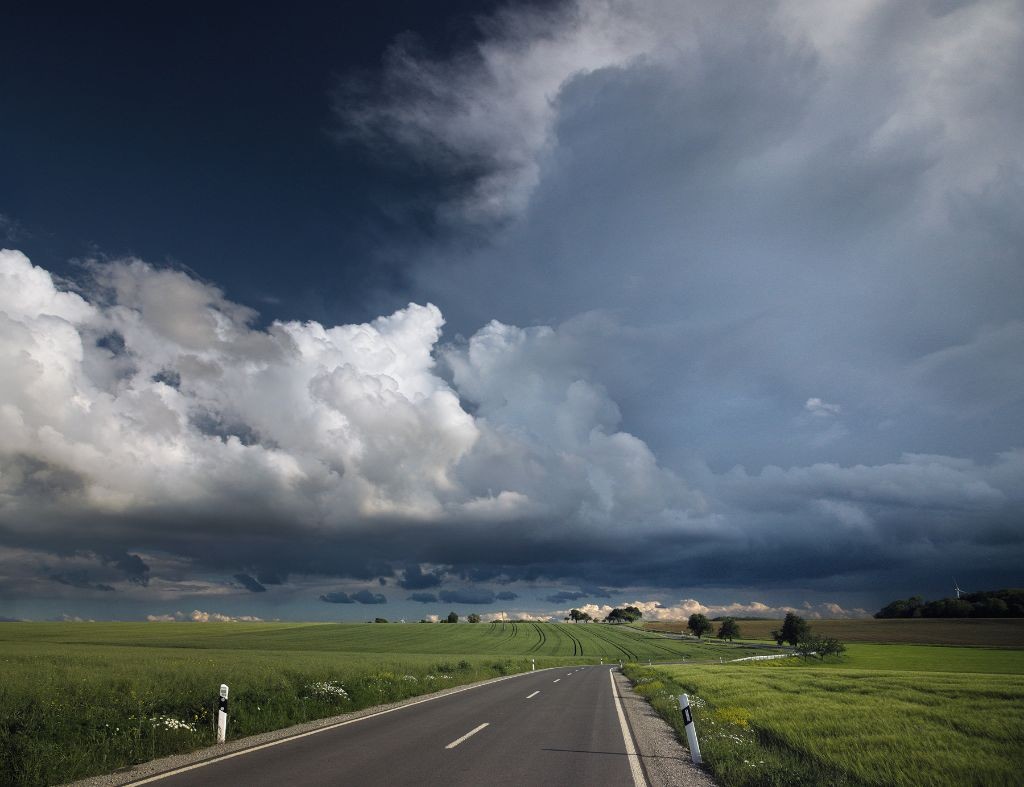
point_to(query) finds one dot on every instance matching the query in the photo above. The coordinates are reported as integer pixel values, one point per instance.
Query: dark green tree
(453, 618)
(624, 615)
(473, 617)
(729, 629)
(794, 630)
(699, 625)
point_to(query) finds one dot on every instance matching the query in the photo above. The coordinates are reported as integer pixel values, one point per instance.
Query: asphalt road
(552, 727)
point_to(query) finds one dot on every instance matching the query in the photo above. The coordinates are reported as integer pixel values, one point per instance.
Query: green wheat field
(78, 699)
(881, 715)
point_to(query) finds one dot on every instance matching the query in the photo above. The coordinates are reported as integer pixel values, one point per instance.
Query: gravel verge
(666, 762)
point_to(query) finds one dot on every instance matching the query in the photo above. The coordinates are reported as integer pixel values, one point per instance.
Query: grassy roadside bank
(95, 713)
(866, 720)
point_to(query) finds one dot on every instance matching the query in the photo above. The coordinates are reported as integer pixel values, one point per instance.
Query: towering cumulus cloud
(148, 396)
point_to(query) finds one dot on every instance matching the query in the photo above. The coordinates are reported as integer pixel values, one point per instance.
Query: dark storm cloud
(250, 584)
(270, 578)
(506, 595)
(565, 595)
(414, 578)
(422, 598)
(359, 597)
(80, 579)
(466, 596)
(367, 597)
(337, 597)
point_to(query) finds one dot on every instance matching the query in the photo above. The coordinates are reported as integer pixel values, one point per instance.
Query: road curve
(553, 727)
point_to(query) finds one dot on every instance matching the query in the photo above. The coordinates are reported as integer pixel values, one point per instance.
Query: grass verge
(793, 723)
(94, 714)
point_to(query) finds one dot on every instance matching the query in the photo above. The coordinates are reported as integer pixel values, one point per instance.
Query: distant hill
(1006, 603)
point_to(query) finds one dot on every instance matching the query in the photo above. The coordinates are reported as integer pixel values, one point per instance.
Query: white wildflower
(328, 689)
(169, 723)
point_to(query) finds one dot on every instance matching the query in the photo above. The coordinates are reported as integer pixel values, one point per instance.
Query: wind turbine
(956, 587)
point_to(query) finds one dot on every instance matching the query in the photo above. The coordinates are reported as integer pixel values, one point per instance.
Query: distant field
(559, 640)
(882, 715)
(77, 699)
(983, 632)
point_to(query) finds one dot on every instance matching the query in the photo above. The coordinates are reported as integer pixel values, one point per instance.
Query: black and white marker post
(222, 714)
(533, 664)
(691, 732)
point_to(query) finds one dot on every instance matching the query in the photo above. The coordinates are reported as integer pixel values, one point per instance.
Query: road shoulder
(665, 761)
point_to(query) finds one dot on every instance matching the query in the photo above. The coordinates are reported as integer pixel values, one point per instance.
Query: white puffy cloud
(682, 609)
(155, 391)
(542, 617)
(199, 616)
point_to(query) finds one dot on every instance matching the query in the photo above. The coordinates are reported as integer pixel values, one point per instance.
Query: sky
(335, 314)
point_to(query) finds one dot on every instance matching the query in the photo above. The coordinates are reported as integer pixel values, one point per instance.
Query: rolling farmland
(83, 698)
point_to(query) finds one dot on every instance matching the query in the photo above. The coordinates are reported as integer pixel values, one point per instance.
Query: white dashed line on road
(531, 696)
(468, 735)
(556, 680)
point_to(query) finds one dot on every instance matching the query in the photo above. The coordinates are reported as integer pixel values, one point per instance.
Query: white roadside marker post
(691, 732)
(222, 714)
(533, 664)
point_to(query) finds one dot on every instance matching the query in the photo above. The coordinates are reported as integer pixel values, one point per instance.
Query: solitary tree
(473, 617)
(453, 618)
(699, 625)
(380, 620)
(794, 630)
(729, 629)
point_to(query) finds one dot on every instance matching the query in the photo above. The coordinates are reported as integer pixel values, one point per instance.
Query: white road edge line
(531, 696)
(634, 759)
(467, 736)
(251, 749)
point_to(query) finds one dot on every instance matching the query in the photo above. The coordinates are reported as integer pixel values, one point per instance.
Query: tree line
(1006, 603)
(795, 631)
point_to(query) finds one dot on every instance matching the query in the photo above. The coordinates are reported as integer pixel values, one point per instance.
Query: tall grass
(775, 723)
(91, 712)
